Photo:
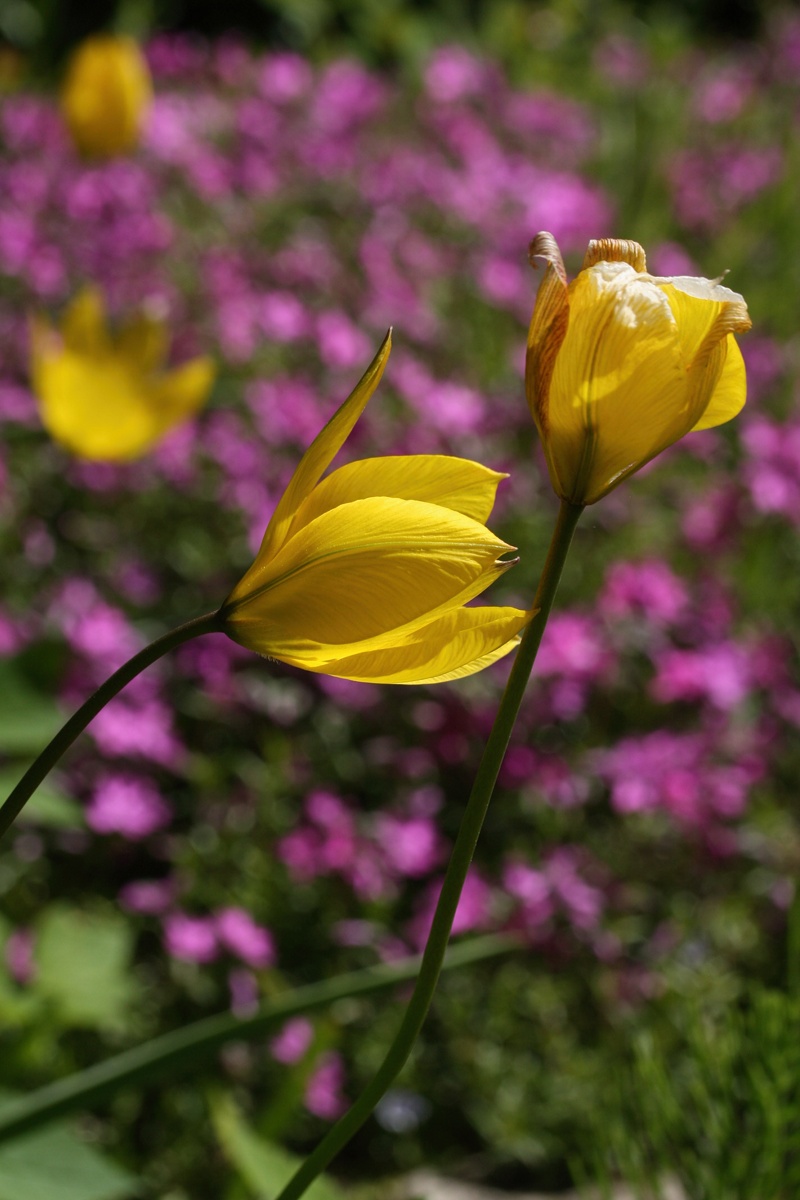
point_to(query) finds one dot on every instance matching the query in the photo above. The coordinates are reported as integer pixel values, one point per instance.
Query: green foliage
(264, 1166)
(82, 961)
(52, 1164)
(710, 1097)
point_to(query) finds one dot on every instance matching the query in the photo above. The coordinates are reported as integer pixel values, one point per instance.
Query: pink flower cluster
(372, 855)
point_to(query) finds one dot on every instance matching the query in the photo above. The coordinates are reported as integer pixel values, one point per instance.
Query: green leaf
(47, 806)
(82, 960)
(264, 1167)
(28, 719)
(52, 1164)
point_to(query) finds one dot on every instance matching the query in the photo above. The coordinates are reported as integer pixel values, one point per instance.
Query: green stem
(457, 868)
(11, 808)
(182, 1049)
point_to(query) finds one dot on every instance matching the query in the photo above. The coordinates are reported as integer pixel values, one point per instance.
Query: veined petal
(703, 308)
(454, 645)
(546, 333)
(614, 250)
(728, 397)
(456, 483)
(93, 407)
(618, 394)
(84, 326)
(323, 450)
(182, 391)
(362, 571)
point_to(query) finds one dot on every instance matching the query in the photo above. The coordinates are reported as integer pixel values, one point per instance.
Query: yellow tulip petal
(363, 570)
(546, 333)
(730, 392)
(106, 95)
(614, 250)
(93, 407)
(456, 483)
(181, 392)
(457, 644)
(144, 342)
(619, 388)
(84, 325)
(323, 450)
(703, 308)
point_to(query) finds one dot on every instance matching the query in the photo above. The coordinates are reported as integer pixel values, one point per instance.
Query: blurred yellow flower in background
(106, 96)
(108, 397)
(366, 574)
(621, 364)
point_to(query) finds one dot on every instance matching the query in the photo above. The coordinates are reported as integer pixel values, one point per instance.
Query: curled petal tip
(545, 246)
(615, 250)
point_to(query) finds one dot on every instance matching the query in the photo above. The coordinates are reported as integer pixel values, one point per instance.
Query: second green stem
(460, 859)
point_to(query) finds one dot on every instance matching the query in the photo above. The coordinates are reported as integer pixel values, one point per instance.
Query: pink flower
(191, 939)
(720, 674)
(143, 730)
(151, 897)
(130, 806)
(238, 932)
(293, 1040)
(19, 955)
(341, 343)
(452, 74)
(412, 846)
(649, 587)
(532, 888)
(323, 1095)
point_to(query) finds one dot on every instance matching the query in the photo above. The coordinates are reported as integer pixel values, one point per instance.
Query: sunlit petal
(363, 570)
(450, 647)
(698, 305)
(456, 483)
(324, 449)
(730, 392)
(618, 392)
(621, 364)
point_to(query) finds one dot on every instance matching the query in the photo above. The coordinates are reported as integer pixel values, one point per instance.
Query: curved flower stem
(457, 868)
(36, 772)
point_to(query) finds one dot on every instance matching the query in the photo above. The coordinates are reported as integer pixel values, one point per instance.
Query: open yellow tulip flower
(106, 95)
(365, 574)
(108, 397)
(621, 364)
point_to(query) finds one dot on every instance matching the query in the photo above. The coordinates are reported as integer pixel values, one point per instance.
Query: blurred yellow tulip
(106, 96)
(365, 574)
(108, 397)
(621, 364)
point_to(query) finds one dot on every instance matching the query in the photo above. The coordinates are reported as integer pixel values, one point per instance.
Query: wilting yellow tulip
(106, 397)
(106, 95)
(621, 364)
(365, 574)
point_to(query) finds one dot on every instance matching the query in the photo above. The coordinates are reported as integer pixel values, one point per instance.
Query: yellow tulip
(105, 397)
(365, 574)
(621, 364)
(106, 96)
